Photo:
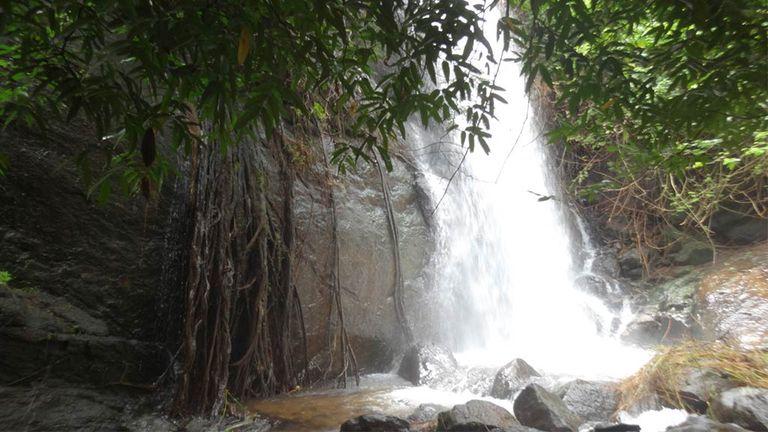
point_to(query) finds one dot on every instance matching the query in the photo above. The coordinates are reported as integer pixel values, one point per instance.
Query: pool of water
(326, 409)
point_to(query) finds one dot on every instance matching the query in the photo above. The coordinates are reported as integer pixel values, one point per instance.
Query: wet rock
(733, 299)
(652, 330)
(480, 380)
(428, 364)
(366, 255)
(608, 427)
(426, 412)
(697, 423)
(591, 400)
(745, 406)
(606, 264)
(375, 423)
(631, 262)
(651, 402)
(676, 297)
(691, 252)
(46, 332)
(88, 280)
(475, 415)
(204, 424)
(44, 408)
(540, 409)
(511, 378)
(699, 386)
(603, 288)
(373, 354)
(737, 228)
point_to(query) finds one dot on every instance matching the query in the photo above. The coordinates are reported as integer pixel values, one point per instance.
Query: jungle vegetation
(662, 103)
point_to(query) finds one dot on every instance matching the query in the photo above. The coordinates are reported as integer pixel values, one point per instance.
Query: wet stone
(375, 423)
(511, 378)
(745, 406)
(538, 408)
(697, 423)
(475, 415)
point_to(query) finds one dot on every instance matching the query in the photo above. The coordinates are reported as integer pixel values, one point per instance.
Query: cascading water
(506, 266)
(505, 273)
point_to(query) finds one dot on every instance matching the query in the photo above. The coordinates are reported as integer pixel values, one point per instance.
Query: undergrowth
(665, 374)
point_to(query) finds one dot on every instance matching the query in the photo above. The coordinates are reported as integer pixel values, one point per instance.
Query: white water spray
(506, 266)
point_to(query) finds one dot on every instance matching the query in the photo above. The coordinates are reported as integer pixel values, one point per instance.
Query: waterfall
(506, 261)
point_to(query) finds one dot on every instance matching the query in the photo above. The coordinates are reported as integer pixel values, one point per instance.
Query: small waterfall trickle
(505, 267)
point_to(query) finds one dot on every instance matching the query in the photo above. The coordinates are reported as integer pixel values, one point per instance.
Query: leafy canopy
(666, 99)
(137, 67)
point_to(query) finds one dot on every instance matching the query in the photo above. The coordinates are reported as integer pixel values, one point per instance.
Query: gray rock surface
(608, 427)
(733, 298)
(648, 330)
(426, 412)
(375, 423)
(512, 378)
(538, 408)
(429, 364)
(591, 400)
(696, 423)
(700, 385)
(475, 415)
(745, 406)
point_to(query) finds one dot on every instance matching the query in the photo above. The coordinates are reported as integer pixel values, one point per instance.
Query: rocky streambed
(432, 392)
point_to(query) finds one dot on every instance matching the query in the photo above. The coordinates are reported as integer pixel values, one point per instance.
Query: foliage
(665, 103)
(137, 68)
(5, 277)
(664, 374)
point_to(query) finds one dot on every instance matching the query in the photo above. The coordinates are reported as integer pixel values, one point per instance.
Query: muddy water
(326, 410)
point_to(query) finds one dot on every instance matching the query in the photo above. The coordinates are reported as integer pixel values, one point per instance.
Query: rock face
(591, 400)
(475, 415)
(733, 299)
(540, 409)
(511, 378)
(375, 423)
(745, 406)
(696, 423)
(366, 264)
(428, 364)
(732, 226)
(88, 280)
(653, 330)
(65, 409)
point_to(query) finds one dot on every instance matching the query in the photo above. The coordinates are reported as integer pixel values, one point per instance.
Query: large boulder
(475, 415)
(365, 253)
(429, 364)
(733, 299)
(375, 423)
(512, 378)
(538, 408)
(697, 423)
(591, 400)
(648, 330)
(745, 406)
